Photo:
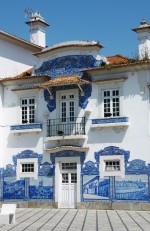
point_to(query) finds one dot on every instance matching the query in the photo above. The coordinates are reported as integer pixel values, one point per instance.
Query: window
(65, 178)
(73, 177)
(67, 108)
(28, 110)
(111, 103)
(27, 168)
(69, 166)
(112, 165)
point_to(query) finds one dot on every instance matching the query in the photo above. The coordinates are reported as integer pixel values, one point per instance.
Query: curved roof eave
(70, 44)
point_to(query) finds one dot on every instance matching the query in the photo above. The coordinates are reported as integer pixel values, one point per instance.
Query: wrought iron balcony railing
(66, 127)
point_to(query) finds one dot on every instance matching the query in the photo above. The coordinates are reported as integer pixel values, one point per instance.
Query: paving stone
(52, 223)
(78, 221)
(142, 223)
(115, 221)
(36, 219)
(145, 215)
(103, 221)
(128, 221)
(90, 221)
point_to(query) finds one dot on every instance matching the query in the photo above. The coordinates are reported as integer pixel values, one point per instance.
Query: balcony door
(67, 114)
(67, 107)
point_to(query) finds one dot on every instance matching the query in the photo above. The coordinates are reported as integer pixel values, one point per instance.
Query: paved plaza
(30, 219)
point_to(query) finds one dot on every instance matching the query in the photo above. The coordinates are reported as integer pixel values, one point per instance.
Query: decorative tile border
(37, 127)
(110, 120)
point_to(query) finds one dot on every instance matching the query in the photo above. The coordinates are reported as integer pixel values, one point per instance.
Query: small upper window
(29, 167)
(69, 166)
(111, 103)
(28, 110)
(71, 96)
(63, 97)
(112, 165)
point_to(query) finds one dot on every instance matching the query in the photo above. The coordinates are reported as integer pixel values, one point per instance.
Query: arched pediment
(112, 150)
(27, 154)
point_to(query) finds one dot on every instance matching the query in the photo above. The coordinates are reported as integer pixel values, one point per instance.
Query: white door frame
(59, 160)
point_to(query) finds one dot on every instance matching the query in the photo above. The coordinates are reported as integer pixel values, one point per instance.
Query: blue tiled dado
(25, 126)
(133, 187)
(110, 120)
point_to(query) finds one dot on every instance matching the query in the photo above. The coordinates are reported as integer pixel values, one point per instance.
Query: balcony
(66, 128)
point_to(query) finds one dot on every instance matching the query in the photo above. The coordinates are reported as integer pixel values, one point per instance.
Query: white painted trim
(71, 137)
(106, 125)
(104, 173)
(21, 95)
(58, 160)
(110, 86)
(67, 93)
(34, 130)
(61, 148)
(28, 175)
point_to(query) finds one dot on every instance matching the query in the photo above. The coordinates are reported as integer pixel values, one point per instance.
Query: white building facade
(76, 129)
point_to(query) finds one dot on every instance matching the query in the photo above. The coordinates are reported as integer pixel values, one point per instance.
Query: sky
(107, 21)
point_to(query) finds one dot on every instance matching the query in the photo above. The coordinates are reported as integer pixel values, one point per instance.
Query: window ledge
(110, 122)
(26, 128)
(71, 137)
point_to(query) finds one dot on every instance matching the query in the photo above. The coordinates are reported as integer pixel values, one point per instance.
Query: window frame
(21, 95)
(28, 105)
(21, 174)
(112, 165)
(111, 86)
(68, 92)
(112, 109)
(66, 103)
(112, 158)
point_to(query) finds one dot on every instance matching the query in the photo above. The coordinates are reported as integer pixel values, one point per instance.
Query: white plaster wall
(14, 59)
(144, 44)
(135, 138)
(15, 143)
(37, 36)
(1, 126)
(67, 51)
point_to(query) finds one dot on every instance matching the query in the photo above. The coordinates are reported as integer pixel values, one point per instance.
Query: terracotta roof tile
(64, 80)
(117, 59)
(26, 88)
(131, 63)
(24, 75)
(123, 78)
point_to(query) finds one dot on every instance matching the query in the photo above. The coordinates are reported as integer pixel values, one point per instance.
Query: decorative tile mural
(95, 188)
(41, 188)
(13, 189)
(134, 187)
(28, 188)
(67, 65)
